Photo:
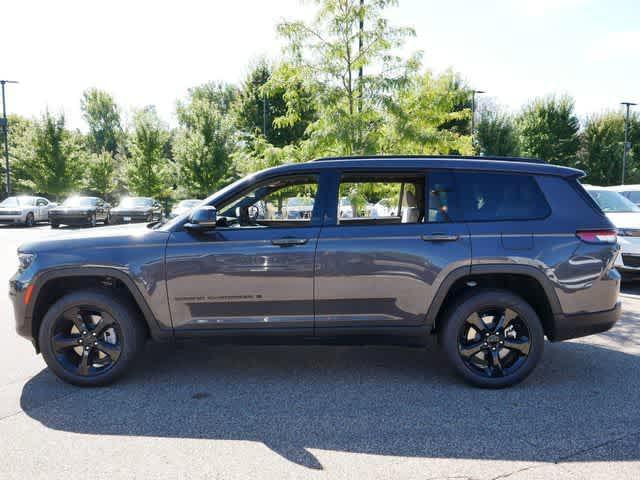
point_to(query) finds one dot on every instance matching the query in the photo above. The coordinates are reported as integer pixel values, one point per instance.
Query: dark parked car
(136, 209)
(80, 211)
(489, 256)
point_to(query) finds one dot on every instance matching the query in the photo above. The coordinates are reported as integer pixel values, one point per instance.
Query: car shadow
(374, 400)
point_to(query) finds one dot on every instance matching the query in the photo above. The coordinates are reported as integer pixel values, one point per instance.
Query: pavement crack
(595, 447)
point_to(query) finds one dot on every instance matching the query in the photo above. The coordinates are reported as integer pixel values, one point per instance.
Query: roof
(625, 188)
(505, 164)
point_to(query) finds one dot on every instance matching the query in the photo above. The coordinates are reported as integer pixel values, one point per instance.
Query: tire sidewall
(131, 341)
(481, 300)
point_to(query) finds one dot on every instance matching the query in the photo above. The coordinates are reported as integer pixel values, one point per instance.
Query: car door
(42, 210)
(382, 268)
(255, 270)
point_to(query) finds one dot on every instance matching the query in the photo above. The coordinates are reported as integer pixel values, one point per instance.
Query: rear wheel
(493, 338)
(90, 339)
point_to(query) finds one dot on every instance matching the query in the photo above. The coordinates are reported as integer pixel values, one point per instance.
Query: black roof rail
(431, 157)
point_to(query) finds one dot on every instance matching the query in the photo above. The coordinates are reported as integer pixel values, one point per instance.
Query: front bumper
(72, 219)
(17, 291)
(129, 217)
(12, 219)
(583, 324)
(628, 261)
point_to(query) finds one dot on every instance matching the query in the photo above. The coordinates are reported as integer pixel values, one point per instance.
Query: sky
(150, 52)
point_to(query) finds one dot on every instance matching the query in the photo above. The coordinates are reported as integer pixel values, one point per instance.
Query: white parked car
(184, 206)
(25, 210)
(632, 192)
(345, 209)
(298, 208)
(625, 215)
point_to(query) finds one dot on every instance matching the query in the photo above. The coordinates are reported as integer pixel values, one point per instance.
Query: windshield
(612, 202)
(189, 203)
(80, 202)
(132, 202)
(17, 201)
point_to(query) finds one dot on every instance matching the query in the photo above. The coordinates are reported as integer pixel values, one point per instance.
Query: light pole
(626, 137)
(5, 130)
(473, 112)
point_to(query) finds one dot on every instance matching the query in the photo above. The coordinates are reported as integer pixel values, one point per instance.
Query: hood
(131, 209)
(625, 219)
(97, 238)
(13, 209)
(61, 208)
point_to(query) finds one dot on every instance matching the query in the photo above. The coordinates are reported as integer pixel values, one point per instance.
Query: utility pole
(473, 113)
(627, 144)
(5, 130)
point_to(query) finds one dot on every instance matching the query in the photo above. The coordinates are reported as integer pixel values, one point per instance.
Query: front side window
(500, 196)
(381, 199)
(280, 202)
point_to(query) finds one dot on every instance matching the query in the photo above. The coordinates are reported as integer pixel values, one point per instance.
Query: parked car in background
(79, 210)
(298, 208)
(345, 209)
(184, 206)
(490, 256)
(625, 215)
(136, 210)
(25, 210)
(632, 192)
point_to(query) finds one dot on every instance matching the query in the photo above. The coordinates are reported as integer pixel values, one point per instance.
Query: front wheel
(30, 221)
(88, 338)
(493, 338)
(94, 220)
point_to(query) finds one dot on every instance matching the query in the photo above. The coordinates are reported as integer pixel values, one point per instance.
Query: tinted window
(500, 196)
(633, 196)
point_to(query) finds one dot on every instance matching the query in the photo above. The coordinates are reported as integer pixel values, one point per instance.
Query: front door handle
(289, 242)
(440, 237)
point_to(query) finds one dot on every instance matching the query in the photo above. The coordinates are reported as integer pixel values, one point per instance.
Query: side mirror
(202, 219)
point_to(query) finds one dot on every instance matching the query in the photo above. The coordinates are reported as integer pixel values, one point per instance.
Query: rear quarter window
(500, 196)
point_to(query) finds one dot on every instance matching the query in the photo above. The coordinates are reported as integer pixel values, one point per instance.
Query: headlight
(25, 260)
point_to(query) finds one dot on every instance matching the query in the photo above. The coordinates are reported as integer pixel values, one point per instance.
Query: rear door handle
(440, 237)
(289, 242)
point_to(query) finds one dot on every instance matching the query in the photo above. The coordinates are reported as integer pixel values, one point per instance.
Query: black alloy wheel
(86, 341)
(493, 338)
(494, 342)
(90, 337)
(94, 220)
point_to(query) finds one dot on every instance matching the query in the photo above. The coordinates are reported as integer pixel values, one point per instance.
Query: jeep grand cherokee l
(488, 255)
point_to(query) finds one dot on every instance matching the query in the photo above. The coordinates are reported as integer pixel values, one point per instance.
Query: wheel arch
(54, 284)
(524, 280)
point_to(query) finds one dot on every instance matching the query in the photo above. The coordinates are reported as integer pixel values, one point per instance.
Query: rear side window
(500, 196)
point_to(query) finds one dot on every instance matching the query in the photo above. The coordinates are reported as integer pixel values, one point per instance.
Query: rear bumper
(583, 324)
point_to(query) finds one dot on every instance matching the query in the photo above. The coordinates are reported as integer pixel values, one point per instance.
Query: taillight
(597, 236)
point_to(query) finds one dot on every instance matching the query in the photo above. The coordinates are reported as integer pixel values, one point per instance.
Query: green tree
(426, 117)
(148, 171)
(101, 113)
(602, 145)
(549, 130)
(101, 174)
(346, 57)
(496, 133)
(261, 102)
(204, 143)
(50, 160)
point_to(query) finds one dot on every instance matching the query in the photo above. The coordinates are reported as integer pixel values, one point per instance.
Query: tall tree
(205, 141)
(602, 146)
(549, 130)
(260, 103)
(346, 54)
(496, 133)
(101, 113)
(50, 160)
(423, 117)
(148, 170)
(101, 173)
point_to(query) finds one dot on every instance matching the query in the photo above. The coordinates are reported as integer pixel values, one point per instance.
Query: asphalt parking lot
(199, 411)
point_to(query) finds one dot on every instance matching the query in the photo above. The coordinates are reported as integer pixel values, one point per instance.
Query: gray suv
(487, 255)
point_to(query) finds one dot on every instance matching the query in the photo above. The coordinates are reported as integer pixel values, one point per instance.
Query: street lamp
(5, 130)
(627, 144)
(473, 112)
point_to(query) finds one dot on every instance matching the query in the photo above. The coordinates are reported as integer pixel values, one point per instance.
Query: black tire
(30, 221)
(94, 221)
(487, 367)
(127, 330)
(107, 220)
(54, 224)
